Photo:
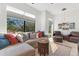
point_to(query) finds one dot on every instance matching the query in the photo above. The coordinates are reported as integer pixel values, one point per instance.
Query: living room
(53, 24)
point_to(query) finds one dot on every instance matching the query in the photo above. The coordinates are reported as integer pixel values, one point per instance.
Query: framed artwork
(60, 26)
(66, 26)
(72, 25)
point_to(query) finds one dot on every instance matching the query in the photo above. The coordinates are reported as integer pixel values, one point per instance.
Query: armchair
(58, 36)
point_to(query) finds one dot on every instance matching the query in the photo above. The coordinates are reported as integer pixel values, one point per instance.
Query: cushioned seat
(22, 49)
(3, 43)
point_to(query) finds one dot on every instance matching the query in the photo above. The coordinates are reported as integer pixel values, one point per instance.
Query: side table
(43, 47)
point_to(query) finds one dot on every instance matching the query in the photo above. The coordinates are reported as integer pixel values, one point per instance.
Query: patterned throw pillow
(25, 37)
(32, 35)
(11, 38)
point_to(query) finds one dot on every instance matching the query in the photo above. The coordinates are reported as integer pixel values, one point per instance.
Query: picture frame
(72, 25)
(66, 26)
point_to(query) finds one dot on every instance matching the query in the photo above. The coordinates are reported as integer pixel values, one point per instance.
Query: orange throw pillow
(11, 38)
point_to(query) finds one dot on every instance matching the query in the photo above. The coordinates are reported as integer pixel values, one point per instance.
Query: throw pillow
(19, 37)
(25, 37)
(22, 37)
(11, 38)
(40, 34)
(32, 35)
(4, 43)
(2, 36)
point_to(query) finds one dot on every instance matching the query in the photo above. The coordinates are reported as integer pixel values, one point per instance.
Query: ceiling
(55, 8)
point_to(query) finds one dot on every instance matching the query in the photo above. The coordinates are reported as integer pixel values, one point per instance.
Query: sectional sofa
(16, 45)
(28, 48)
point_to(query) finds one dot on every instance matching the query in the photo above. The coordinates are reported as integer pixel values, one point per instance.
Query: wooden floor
(37, 54)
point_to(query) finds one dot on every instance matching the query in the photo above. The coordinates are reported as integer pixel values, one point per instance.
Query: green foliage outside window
(17, 25)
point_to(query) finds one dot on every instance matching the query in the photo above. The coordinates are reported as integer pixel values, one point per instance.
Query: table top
(43, 41)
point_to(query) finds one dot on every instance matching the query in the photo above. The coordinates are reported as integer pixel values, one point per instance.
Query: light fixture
(15, 10)
(29, 15)
(50, 19)
(18, 11)
(64, 9)
(33, 3)
(51, 3)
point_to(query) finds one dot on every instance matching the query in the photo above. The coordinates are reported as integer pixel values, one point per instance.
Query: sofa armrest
(74, 39)
(32, 42)
(21, 49)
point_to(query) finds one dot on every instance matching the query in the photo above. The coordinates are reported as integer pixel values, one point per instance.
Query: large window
(20, 25)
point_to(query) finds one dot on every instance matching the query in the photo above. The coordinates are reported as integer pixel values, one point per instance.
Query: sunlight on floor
(52, 46)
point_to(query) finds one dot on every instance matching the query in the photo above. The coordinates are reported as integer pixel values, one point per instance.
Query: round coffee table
(43, 47)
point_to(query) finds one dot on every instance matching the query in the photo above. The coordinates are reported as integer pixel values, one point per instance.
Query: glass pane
(30, 25)
(17, 25)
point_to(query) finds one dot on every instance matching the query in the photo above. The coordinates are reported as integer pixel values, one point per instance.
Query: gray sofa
(20, 49)
(28, 48)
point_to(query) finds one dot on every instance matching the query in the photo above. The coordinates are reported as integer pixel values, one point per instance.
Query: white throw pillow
(19, 37)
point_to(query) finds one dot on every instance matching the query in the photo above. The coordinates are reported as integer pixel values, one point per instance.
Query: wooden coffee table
(43, 47)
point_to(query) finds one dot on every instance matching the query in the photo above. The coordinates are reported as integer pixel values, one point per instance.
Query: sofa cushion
(57, 33)
(75, 34)
(2, 36)
(40, 34)
(11, 38)
(22, 49)
(4, 43)
(33, 42)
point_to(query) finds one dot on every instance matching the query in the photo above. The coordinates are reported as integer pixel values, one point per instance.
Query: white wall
(44, 21)
(42, 18)
(68, 16)
(48, 17)
(21, 6)
(24, 7)
(3, 21)
(29, 9)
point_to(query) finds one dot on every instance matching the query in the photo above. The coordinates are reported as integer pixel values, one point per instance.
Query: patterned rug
(62, 51)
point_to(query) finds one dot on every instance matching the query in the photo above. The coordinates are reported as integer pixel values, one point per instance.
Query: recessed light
(15, 10)
(64, 9)
(30, 15)
(51, 3)
(33, 3)
(18, 11)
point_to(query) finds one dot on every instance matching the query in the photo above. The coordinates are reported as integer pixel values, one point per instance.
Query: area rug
(62, 51)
